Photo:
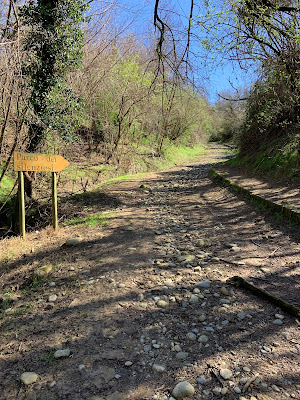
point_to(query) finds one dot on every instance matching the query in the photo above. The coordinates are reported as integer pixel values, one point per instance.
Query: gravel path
(142, 309)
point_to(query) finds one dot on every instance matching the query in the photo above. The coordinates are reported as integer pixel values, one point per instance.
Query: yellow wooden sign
(39, 162)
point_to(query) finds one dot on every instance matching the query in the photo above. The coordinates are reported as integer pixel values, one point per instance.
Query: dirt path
(143, 303)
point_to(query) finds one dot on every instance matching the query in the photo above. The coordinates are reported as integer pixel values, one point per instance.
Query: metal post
(54, 201)
(21, 204)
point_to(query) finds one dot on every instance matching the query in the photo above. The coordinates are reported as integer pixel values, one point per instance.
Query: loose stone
(235, 249)
(224, 301)
(73, 241)
(216, 390)
(224, 291)
(182, 355)
(201, 379)
(128, 363)
(202, 317)
(52, 298)
(279, 316)
(162, 304)
(62, 353)
(28, 378)
(43, 271)
(194, 299)
(128, 228)
(182, 390)
(237, 390)
(275, 388)
(241, 315)
(203, 339)
(158, 368)
(277, 322)
(191, 336)
(203, 284)
(225, 373)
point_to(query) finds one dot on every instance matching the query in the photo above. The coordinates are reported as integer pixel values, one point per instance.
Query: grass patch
(6, 186)
(282, 162)
(182, 154)
(94, 220)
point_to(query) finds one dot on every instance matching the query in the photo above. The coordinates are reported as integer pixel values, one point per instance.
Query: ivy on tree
(53, 42)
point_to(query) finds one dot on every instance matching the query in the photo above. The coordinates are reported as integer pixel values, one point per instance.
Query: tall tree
(53, 42)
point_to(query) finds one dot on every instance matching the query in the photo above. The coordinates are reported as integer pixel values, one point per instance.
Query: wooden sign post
(38, 162)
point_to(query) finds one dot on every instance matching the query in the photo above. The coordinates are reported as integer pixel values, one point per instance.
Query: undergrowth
(277, 160)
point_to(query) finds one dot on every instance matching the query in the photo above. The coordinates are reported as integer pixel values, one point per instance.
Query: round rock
(28, 377)
(182, 355)
(182, 390)
(203, 339)
(62, 353)
(162, 304)
(158, 368)
(73, 241)
(277, 321)
(203, 284)
(225, 373)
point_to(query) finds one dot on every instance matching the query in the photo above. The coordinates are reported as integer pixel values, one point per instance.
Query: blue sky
(216, 78)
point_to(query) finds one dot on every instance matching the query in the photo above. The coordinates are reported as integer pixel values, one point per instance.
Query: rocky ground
(141, 309)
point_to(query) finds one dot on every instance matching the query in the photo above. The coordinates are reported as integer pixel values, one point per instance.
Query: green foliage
(6, 186)
(94, 220)
(53, 43)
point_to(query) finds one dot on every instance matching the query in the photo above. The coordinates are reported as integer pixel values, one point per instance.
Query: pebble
(224, 291)
(216, 391)
(162, 304)
(235, 249)
(52, 298)
(28, 378)
(117, 376)
(158, 368)
(230, 245)
(203, 284)
(202, 317)
(62, 353)
(246, 369)
(191, 336)
(201, 379)
(277, 322)
(182, 355)
(237, 390)
(182, 390)
(194, 299)
(43, 271)
(224, 301)
(128, 228)
(225, 373)
(275, 388)
(73, 241)
(203, 339)
(128, 363)
(241, 315)
(279, 316)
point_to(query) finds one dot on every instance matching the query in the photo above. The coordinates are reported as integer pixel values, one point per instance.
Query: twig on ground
(249, 381)
(289, 308)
